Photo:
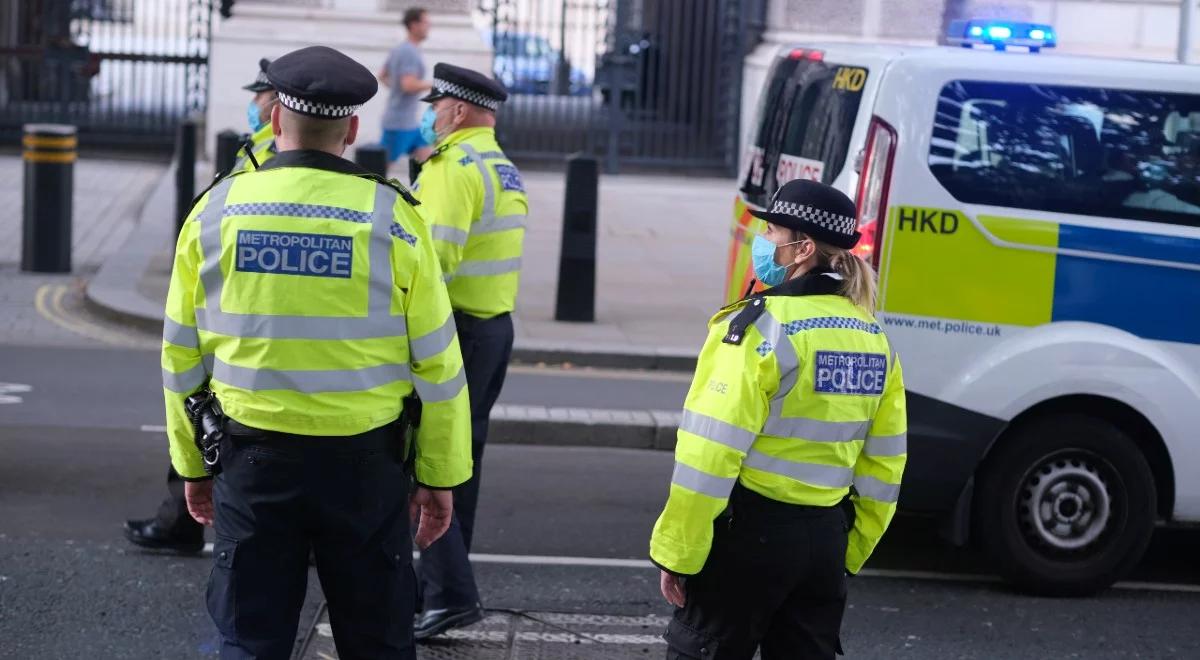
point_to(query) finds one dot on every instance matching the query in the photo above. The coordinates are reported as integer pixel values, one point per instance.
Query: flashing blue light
(1001, 35)
(999, 32)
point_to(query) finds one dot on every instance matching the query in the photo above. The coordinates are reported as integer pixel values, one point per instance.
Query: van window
(804, 124)
(1083, 150)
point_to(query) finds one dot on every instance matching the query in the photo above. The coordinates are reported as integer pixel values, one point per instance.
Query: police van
(1035, 222)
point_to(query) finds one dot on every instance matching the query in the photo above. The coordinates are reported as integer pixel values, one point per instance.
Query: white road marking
(9, 392)
(603, 373)
(151, 428)
(927, 576)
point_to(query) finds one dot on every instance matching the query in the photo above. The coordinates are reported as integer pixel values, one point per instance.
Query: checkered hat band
(466, 94)
(835, 222)
(317, 109)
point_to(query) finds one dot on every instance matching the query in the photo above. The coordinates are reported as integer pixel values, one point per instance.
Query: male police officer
(307, 295)
(476, 199)
(261, 144)
(172, 529)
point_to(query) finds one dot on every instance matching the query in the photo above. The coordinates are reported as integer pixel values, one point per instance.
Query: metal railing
(124, 72)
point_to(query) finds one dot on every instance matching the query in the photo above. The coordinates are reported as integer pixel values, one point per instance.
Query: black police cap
(820, 211)
(260, 84)
(451, 81)
(321, 82)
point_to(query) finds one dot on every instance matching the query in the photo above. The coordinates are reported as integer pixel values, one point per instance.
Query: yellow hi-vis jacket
(798, 396)
(308, 296)
(262, 145)
(476, 199)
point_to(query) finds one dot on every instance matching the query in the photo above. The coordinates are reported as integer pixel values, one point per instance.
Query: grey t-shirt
(401, 112)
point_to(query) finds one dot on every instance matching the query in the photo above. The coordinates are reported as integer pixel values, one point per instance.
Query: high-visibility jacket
(476, 199)
(308, 296)
(261, 144)
(798, 396)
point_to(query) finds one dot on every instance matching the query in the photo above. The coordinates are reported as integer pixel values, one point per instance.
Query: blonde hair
(858, 278)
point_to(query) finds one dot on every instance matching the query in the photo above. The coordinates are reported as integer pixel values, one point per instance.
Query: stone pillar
(363, 29)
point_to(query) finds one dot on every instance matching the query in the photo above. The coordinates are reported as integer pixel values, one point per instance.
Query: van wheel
(1065, 505)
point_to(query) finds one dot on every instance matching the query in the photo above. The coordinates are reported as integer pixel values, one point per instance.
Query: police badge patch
(510, 178)
(863, 374)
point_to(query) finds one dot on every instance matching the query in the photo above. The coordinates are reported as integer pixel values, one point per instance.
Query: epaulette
(737, 327)
(395, 184)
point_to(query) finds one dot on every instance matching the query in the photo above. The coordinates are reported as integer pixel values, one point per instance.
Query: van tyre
(1065, 505)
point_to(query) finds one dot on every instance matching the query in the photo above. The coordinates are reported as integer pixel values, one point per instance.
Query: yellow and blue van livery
(1035, 222)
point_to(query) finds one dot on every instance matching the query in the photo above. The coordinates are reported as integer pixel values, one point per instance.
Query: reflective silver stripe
(877, 490)
(179, 334)
(829, 476)
(785, 355)
(886, 445)
(379, 292)
(185, 382)
(210, 243)
(449, 234)
(264, 326)
(498, 224)
(497, 267)
(493, 155)
(310, 381)
(436, 392)
(489, 195)
(432, 344)
(717, 431)
(702, 482)
(816, 430)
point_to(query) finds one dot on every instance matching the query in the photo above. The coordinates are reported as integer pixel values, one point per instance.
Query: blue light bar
(1000, 35)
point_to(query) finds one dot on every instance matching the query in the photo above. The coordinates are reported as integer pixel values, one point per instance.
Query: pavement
(659, 271)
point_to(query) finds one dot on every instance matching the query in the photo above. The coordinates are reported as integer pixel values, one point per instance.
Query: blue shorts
(401, 142)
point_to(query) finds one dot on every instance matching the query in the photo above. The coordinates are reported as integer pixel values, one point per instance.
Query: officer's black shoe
(151, 534)
(435, 622)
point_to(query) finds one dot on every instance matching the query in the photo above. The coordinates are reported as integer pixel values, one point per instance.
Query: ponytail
(858, 278)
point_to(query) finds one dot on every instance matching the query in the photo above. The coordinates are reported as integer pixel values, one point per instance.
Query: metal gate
(124, 71)
(634, 82)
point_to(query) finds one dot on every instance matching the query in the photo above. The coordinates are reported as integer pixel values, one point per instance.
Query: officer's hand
(434, 508)
(672, 589)
(199, 500)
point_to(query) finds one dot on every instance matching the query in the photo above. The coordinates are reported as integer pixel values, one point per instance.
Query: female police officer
(797, 405)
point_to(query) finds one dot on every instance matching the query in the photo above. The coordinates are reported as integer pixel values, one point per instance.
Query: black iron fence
(124, 71)
(634, 82)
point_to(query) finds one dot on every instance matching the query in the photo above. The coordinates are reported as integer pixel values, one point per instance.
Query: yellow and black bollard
(49, 152)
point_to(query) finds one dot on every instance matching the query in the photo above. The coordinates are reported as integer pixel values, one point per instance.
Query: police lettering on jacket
(319, 255)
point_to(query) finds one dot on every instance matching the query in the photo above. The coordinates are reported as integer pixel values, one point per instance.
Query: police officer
(476, 199)
(797, 404)
(307, 296)
(172, 529)
(260, 146)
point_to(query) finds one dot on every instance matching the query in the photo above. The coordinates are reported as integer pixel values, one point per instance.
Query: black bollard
(576, 299)
(49, 154)
(373, 158)
(185, 171)
(228, 143)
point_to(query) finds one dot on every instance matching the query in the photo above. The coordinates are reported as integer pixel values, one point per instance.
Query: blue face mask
(765, 269)
(253, 116)
(427, 131)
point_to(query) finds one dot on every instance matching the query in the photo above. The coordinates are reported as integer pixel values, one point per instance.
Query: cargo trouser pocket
(686, 643)
(221, 596)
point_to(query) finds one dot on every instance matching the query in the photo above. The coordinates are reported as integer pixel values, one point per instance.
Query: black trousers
(446, 577)
(173, 513)
(775, 580)
(346, 498)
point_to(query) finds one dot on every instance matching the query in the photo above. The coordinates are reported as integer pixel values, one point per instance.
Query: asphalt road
(73, 465)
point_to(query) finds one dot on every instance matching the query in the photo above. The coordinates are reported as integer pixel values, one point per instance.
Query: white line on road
(929, 576)
(603, 373)
(151, 428)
